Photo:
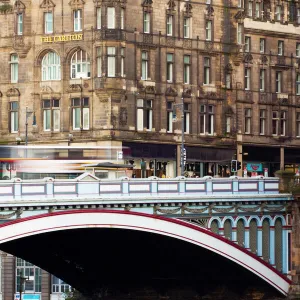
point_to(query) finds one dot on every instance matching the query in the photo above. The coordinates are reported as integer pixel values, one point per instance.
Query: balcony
(112, 34)
(281, 99)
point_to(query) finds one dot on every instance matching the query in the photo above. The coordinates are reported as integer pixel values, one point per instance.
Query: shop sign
(62, 38)
(252, 167)
(28, 297)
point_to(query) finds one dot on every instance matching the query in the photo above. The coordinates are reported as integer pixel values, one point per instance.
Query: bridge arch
(174, 228)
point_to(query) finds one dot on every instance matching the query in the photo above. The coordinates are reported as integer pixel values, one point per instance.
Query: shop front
(208, 161)
(151, 159)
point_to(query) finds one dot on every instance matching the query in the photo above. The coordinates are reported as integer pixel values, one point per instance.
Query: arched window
(80, 65)
(228, 229)
(240, 230)
(278, 244)
(214, 227)
(253, 236)
(51, 66)
(266, 240)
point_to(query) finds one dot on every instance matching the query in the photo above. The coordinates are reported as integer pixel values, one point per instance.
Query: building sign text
(62, 38)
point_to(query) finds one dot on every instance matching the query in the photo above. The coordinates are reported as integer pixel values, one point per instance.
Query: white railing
(87, 185)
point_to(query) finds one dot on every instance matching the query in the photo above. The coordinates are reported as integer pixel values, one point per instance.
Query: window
(239, 33)
(19, 24)
(257, 10)
(111, 24)
(145, 60)
(202, 119)
(278, 81)
(80, 113)
(298, 15)
(59, 286)
(51, 115)
(240, 3)
(250, 8)
(207, 119)
(247, 43)
(122, 67)
(228, 80)
(278, 13)
(146, 22)
(186, 117)
(170, 62)
(48, 16)
(33, 273)
(206, 70)
(298, 123)
(262, 79)
(298, 50)
(144, 114)
(247, 78)
(80, 65)
(14, 116)
(51, 67)
(170, 114)
(280, 47)
(111, 62)
(282, 123)
(14, 68)
(228, 124)
(99, 61)
(275, 122)
(122, 18)
(186, 69)
(99, 17)
(208, 30)
(186, 28)
(247, 120)
(169, 25)
(262, 45)
(262, 122)
(77, 20)
(298, 84)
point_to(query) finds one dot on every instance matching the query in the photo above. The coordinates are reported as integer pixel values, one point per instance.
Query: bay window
(145, 71)
(111, 18)
(111, 62)
(80, 113)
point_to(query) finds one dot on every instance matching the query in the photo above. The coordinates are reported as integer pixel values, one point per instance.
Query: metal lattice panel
(278, 244)
(266, 240)
(240, 232)
(228, 229)
(253, 236)
(214, 227)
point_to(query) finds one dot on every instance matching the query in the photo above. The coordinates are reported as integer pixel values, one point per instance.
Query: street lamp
(28, 114)
(22, 282)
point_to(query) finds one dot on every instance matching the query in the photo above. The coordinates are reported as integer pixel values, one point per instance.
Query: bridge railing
(87, 185)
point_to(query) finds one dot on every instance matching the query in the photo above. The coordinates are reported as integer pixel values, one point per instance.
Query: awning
(109, 166)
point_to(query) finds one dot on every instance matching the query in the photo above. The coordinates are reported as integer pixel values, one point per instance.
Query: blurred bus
(60, 162)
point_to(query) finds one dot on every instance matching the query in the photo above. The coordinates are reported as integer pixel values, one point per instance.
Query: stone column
(247, 238)
(272, 245)
(259, 241)
(281, 158)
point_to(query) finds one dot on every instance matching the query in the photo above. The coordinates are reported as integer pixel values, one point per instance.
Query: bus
(58, 162)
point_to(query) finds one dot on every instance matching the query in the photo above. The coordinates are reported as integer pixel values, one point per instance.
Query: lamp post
(22, 282)
(28, 114)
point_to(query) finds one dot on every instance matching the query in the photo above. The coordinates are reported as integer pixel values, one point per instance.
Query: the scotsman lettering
(61, 38)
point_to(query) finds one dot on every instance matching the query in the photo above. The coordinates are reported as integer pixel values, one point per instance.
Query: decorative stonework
(13, 92)
(76, 4)
(187, 93)
(74, 88)
(210, 11)
(123, 116)
(171, 5)
(19, 6)
(188, 9)
(248, 58)
(171, 92)
(264, 59)
(47, 5)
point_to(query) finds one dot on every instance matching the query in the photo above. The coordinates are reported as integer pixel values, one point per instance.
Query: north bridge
(96, 234)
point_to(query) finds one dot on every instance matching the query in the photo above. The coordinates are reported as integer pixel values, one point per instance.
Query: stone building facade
(121, 72)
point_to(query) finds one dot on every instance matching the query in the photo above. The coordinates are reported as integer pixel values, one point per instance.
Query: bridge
(244, 221)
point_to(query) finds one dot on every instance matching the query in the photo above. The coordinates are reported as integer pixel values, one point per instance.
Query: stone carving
(171, 4)
(74, 88)
(188, 8)
(75, 4)
(264, 59)
(248, 58)
(228, 68)
(150, 90)
(46, 89)
(19, 6)
(147, 3)
(13, 92)
(210, 10)
(187, 43)
(240, 15)
(170, 91)
(47, 4)
(187, 93)
(209, 46)
(170, 41)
